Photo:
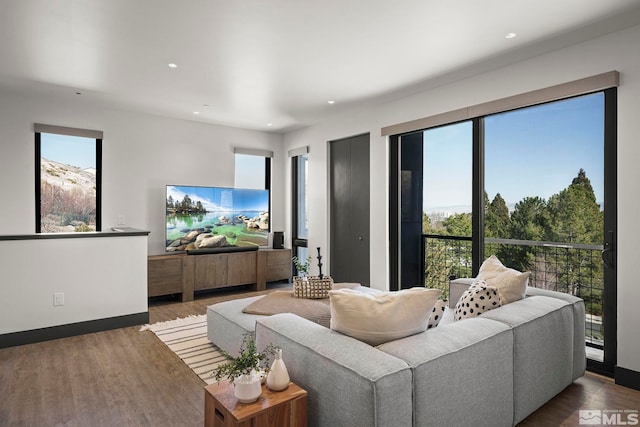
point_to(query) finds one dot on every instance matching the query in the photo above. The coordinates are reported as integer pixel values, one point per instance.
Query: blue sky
(249, 171)
(70, 150)
(535, 151)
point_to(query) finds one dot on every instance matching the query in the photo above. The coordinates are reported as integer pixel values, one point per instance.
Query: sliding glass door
(535, 186)
(447, 203)
(545, 206)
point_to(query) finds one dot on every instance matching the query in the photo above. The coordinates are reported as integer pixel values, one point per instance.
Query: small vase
(278, 376)
(247, 388)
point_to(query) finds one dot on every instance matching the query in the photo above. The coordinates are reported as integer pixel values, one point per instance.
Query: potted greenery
(305, 286)
(243, 371)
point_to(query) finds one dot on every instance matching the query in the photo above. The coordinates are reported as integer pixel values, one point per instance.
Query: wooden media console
(185, 274)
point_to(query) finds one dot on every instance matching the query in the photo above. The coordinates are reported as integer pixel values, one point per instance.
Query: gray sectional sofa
(493, 370)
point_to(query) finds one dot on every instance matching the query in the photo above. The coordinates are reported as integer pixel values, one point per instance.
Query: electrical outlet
(58, 299)
(121, 220)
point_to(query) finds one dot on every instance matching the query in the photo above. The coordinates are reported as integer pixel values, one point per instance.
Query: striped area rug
(187, 338)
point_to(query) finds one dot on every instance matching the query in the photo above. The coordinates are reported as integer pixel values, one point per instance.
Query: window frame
(39, 129)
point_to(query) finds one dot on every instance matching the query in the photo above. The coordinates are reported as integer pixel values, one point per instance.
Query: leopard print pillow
(479, 298)
(437, 312)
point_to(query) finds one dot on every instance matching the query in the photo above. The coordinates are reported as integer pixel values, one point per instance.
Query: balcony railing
(575, 269)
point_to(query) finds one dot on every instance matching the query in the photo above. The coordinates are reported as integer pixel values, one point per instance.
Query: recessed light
(196, 112)
(510, 35)
(78, 93)
(172, 65)
(331, 102)
(269, 124)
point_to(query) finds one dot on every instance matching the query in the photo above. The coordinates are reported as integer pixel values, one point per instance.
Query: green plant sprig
(302, 267)
(248, 360)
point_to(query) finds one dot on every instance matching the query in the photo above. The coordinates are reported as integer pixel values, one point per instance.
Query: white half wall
(100, 277)
(615, 51)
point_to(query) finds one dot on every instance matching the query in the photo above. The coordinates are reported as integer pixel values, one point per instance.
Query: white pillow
(382, 316)
(511, 284)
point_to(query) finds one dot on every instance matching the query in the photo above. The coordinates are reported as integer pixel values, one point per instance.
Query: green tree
(427, 228)
(496, 219)
(186, 204)
(437, 267)
(497, 223)
(458, 225)
(530, 219)
(575, 215)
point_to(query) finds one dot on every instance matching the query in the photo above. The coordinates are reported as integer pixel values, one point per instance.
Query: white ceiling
(247, 63)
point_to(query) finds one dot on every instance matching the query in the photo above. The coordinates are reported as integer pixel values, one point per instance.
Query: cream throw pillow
(511, 284)
(344, 285)
(382, 316)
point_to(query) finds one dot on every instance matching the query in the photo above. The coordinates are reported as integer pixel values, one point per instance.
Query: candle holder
(319, 264)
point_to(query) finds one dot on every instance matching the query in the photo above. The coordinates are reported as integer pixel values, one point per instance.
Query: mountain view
(67, 197)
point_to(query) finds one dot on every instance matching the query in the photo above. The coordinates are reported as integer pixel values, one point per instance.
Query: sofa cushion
(543, 357)
(227, 324)
(348, 382)
(511, 284)
(437, 313)
(382, 316)
(478, 299)
(462, 373)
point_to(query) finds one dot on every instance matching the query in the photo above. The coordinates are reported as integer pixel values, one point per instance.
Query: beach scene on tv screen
(212, 217)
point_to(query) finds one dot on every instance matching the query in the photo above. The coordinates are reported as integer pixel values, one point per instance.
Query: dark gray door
(349, 198)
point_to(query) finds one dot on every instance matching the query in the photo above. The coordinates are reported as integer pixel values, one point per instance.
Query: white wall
(141, 154)
(617, 51)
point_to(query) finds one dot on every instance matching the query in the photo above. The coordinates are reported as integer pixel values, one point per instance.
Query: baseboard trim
(627, 377)
(63, 331)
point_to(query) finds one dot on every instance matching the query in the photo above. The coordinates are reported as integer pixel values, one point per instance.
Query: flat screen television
(206, 218)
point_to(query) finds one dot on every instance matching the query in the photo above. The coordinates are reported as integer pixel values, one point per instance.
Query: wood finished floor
(125, 377)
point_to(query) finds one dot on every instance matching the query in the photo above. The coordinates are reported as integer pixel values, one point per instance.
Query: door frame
(610, 292)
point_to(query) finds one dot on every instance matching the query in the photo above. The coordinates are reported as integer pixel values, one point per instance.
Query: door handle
(607, 251)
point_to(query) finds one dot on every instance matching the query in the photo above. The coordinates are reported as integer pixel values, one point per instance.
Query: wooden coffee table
(287, 408)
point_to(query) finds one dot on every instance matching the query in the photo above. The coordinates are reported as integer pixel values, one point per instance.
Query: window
(68, 179)
(299, 202)
(252, 171)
